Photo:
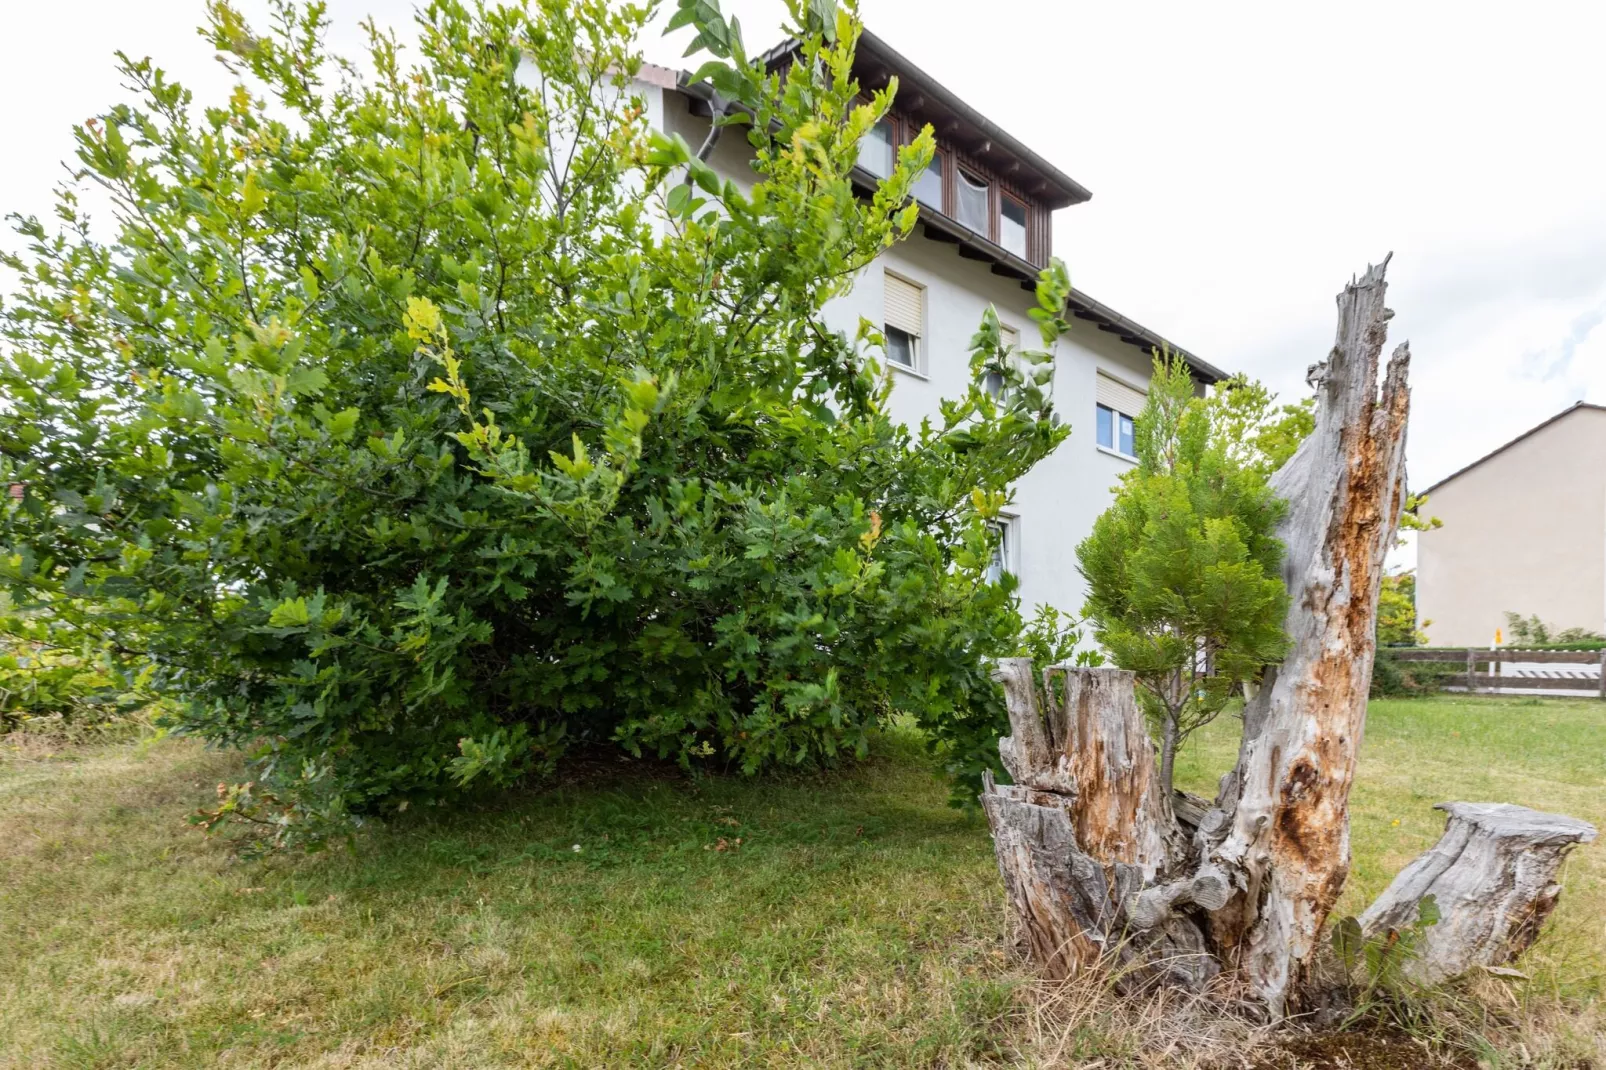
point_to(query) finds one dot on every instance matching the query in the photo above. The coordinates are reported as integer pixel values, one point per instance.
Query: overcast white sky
(1244, 159)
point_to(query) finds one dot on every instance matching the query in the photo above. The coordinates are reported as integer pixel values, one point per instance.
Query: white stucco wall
(1056, 504)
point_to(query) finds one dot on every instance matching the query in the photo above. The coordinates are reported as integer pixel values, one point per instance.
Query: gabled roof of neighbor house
(875, 62)
(1580, 406)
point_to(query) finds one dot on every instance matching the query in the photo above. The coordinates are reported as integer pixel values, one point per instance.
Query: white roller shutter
(1009, 336)
(905, 305)
(1116, 395)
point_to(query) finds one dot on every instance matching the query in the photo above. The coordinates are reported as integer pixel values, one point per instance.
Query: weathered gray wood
(1493, 876)
(1288, 846)
(1102, 865)
(1059, 897)
(1457, 656)
(1584, 658)
(1120, 812)
(1085, 830)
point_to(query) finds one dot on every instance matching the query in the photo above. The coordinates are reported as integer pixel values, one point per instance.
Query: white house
(986, 229)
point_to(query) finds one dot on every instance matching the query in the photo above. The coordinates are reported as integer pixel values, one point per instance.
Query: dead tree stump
(1097, 864)
(1084, 831)
(1493, 877)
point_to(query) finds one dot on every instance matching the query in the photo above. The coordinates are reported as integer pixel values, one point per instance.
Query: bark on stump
(1493, 877)
(1084, 829)
(1098, 865)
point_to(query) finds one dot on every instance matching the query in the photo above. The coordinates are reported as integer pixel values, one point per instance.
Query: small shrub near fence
(1395, 678)
(1401, 671)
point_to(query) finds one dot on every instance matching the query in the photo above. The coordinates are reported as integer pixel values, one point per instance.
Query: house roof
(921, 95)
(1563, 414)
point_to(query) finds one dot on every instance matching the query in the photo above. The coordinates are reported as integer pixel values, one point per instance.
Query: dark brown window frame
(904, 131)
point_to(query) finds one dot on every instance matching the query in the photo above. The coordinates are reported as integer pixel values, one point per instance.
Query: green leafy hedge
(415, 428)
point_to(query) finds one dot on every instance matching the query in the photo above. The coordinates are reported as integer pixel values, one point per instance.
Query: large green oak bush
(422, 419)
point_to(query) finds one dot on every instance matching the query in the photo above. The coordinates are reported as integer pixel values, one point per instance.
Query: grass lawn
(857, 922)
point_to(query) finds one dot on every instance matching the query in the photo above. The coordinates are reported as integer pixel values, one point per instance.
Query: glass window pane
(999, 564)
(972, 203)
(1106, 425)
(875, 149)
(900, 347)
(1012, 226)
(1127, 446)
(928, 187)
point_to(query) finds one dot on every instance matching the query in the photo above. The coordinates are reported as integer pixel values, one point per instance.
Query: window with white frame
(1116, 415)
(905, 312)
(993, 383)
(1003, 559)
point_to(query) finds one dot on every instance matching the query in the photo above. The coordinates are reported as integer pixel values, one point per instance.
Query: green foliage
(414, 427)
(1396, 612)
(1374, 967)
(1412, 518)
(1054, 638)
(1183, 568)
(1531, 631)
(1252, 429)
(1388, 681)
(65, 691)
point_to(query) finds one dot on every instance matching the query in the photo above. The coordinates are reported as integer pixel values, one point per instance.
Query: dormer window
(971, 202)
(928, 187)
(877, 153)
(1012, 225)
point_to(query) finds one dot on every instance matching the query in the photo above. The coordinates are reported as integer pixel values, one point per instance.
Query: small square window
(876, 151)
(1116, 431)
(902, 347)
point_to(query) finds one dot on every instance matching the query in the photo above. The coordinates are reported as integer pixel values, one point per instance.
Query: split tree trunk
(1098, 866)
(1287, 843)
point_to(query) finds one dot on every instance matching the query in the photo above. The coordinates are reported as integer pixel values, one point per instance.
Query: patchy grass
(1549, 754)
(859, 921)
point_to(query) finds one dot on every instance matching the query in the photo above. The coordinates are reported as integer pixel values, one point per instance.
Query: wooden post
(1472, 671)
(1603, 675)
(1495, 658)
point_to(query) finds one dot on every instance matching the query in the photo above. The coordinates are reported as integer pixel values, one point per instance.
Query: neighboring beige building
(1524, 531)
